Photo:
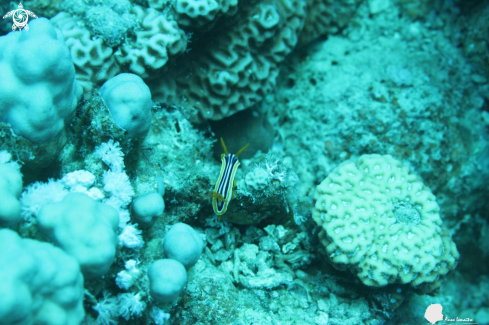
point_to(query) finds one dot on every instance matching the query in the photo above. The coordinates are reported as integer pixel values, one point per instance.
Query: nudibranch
(223, 192)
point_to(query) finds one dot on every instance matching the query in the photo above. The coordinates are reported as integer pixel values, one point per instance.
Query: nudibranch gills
(223, 191)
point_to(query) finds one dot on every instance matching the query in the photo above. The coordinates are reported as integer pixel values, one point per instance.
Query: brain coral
(239, 63)
(93, 59)
(199, 13)
(157, 39)
(380, 222)
(326, 17)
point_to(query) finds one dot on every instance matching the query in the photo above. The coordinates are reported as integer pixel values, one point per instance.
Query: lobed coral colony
(361, 198)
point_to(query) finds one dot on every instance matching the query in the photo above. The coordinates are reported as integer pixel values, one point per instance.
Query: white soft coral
(125, 305)
(273, 172)
(130, 237)
(110, 152)
(80, 181)
(130, 304)
(108, 310)
(39, 194)
(126, 278)
(159, 316)
(120, 189)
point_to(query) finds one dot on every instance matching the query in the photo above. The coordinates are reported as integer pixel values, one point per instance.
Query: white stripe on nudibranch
(223, 192)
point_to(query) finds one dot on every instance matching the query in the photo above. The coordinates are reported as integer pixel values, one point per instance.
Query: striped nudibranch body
(223, 192)
(225, 183)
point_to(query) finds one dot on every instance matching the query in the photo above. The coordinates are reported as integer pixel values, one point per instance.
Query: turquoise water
(361, 197)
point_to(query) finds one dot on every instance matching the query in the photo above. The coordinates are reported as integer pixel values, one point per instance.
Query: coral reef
(40, 283)
(52, 83)
(241, 66)
(109, 219)
(10, 189)
(83, 228)
(38, 89)
(366, 105)
(93, 59)
(380, 221)
(326, 17)
(157, 39)
(202, 13)
(129, 101)
(229, 69)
